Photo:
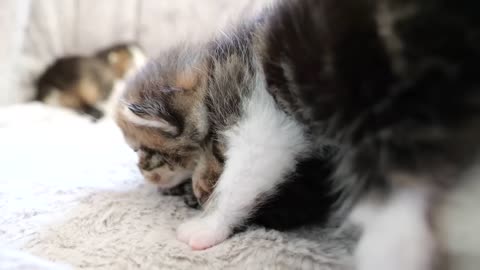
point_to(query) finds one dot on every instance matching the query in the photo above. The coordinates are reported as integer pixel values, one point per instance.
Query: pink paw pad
(202, 233)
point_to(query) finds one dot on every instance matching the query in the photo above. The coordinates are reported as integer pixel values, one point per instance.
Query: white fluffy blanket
(70, 194)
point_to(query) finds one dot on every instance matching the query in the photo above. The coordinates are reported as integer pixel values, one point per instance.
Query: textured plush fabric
(70, 192)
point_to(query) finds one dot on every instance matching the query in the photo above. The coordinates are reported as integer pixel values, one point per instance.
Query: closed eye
(137, 109)
(148, 150)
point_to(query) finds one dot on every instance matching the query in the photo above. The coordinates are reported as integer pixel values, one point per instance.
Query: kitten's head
(124, 59)
(163, 116)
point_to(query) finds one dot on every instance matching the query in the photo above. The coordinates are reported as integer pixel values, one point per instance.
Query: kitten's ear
(143, 116)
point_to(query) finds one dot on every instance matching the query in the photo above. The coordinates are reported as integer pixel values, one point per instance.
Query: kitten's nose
(157, 178)
(153, 178)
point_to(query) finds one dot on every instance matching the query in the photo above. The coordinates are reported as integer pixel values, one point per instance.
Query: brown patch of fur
(88, 92)
(187, 80)
(69, 99)
(152, 177)
(206, 177)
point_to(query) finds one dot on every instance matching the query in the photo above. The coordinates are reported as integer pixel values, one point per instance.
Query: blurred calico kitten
(83, 83)
(392, 85)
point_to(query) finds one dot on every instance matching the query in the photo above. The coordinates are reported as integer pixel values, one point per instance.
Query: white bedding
(70, 193)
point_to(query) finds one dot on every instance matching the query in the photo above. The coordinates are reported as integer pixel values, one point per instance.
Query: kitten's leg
(206, 176)
(189, 198)
(92, 111)
(396, 233)
(180, 190)
(261, 150)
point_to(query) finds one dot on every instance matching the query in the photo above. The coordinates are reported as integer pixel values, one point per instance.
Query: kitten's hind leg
(396, 232)
(261, 150)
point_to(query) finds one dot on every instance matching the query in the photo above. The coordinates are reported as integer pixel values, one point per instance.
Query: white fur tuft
(459, 222)
(396, 233)
(136, 120)
(139, 59)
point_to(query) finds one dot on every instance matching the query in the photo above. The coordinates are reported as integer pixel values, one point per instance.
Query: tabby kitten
(82, 83)
(391, 84)
(196, 96)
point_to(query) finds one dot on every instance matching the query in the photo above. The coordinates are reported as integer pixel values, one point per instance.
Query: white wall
(13, 18)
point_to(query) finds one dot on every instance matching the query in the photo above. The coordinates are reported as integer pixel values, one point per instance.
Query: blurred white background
(34, 32)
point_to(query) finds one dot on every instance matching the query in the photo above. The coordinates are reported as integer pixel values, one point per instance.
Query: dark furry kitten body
(394, 84)
(307, 197)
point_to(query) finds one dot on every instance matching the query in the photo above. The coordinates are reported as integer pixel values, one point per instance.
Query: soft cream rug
(70, 194)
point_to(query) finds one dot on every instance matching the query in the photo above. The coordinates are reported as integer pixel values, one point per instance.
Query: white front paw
(202, 233)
